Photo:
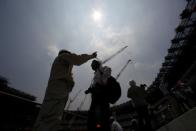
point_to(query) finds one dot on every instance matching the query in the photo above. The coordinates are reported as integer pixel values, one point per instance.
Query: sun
(97, 16)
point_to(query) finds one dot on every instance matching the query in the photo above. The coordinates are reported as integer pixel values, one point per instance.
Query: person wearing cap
(60, 83)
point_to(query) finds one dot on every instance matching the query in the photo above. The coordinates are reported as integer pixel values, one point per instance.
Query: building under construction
(171, 96)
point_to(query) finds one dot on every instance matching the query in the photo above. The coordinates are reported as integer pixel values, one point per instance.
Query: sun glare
(97, 16)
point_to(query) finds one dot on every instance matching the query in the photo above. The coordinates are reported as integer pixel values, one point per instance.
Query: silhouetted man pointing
(59, 85)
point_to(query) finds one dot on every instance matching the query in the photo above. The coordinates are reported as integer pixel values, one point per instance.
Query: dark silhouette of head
(143, 85)
(63, 51)
(132, 83)
(95, 65)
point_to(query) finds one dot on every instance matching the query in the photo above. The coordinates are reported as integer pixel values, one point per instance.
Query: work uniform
(59, 85)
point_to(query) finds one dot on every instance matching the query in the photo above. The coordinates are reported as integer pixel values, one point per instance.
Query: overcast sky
(33, 31)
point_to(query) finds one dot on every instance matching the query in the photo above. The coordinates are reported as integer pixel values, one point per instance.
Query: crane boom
(106, 60)
(82, 102)
(123, 69)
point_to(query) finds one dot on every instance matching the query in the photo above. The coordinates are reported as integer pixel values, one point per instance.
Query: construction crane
(118, 75)
(106, 60)
(82, 102)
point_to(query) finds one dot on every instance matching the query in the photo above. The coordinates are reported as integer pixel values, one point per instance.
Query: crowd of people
(104, 90)
(61, 82)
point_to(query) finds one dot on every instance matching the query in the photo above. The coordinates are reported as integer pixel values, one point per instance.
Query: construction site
(171, 97)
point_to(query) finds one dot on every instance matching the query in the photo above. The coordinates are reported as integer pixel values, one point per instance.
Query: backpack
(114, 90)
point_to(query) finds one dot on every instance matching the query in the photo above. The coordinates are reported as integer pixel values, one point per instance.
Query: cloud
(109, 40)
(52, 50)
(33, 32)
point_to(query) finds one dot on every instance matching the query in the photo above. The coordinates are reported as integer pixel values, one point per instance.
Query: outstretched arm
(77, 59)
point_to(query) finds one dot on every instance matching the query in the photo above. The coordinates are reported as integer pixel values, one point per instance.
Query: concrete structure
(185, 122)
(182, 52)
(177, 76)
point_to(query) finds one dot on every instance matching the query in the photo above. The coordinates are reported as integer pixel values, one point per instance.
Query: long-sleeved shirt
(61, 79)
(63, 64)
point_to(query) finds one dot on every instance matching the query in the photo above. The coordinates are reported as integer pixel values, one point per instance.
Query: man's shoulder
(60, 61)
